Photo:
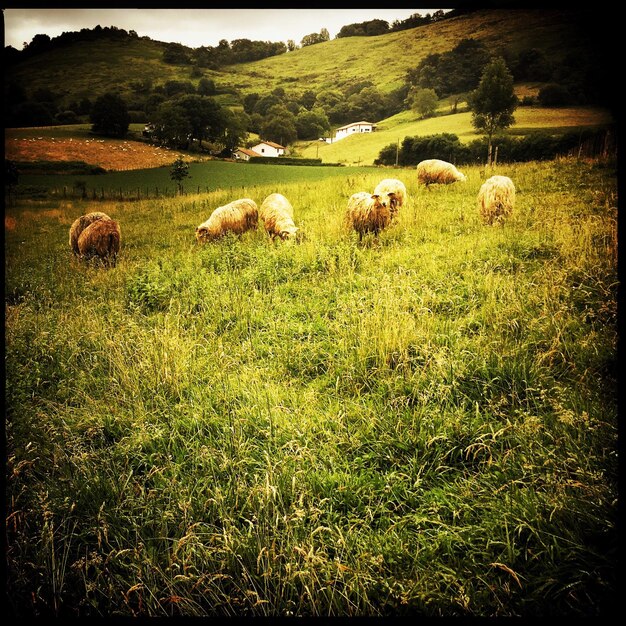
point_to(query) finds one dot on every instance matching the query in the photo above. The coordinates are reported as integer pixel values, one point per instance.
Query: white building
(269, 149)
(350, 129)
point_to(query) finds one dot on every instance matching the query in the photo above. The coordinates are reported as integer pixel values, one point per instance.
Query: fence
(121, 194)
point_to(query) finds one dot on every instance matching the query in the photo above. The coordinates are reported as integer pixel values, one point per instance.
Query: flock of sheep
(97, 235)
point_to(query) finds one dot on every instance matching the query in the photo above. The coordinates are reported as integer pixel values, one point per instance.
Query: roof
(272, 144)
(247, 151)
(357, 124)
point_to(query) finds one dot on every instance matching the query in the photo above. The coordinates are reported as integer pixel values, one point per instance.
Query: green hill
(88, 69)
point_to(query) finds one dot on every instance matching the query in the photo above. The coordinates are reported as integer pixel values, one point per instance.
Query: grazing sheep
(366, 213)
(436, 171)
(277, 215)
(496, 199)
(80, 224)
(101, 239)
(237, 217)
(393, 189)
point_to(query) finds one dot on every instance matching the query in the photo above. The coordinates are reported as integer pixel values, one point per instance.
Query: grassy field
(421, 424)
(364, 148)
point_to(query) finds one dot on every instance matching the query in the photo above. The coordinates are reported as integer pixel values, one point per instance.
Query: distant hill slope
(88, 69)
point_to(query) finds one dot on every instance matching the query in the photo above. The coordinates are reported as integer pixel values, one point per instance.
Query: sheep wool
(433, 171)
(237, 217)
(101, 239)
(277, 215)
(496, 199)
(80, 224)
(395, 191)
(366, 213)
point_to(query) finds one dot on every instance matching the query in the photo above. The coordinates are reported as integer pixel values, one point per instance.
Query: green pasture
(205, 176)
(424, 424)
(364, 148)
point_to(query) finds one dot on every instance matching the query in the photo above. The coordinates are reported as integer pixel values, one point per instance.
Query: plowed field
(111, 154)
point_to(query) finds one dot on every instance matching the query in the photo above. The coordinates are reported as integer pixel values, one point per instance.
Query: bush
(554, 95)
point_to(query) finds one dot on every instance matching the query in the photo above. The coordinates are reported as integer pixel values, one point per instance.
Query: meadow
(421, 424)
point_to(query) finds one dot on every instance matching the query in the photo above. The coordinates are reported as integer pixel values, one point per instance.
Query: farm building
(244, 154)
(268, 148)
(355, 127)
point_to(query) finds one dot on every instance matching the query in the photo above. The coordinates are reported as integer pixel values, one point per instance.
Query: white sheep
(79, 225)
(101, 239)
(433, 171)
(277, 215)
(496, 199)
(366, 213)
(395, 191)
(237, 217)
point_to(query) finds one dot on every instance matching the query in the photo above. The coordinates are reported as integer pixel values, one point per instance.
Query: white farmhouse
(355, 127)
(269, 149)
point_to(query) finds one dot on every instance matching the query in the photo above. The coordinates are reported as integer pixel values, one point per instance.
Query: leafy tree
(109, 115)
(175, 87)
(279, 126)
(171, 125)
(554, 95)
(312, 124)
(206, 117)
(176, 54)
(313, 38)
(423, 101)
(249, 102)
(493, 102)
(235, 130)
(179, 171)
(307, 99)
(206, 87)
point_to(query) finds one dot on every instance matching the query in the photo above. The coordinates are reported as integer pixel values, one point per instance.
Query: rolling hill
(88, 69)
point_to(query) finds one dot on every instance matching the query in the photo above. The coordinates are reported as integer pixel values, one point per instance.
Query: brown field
(111, 154)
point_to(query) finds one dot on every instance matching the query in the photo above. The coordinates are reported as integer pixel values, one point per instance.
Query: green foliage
(423, 101)
(536, 146)
(179, 171)
(493, 101)
(553, 95)
(456, 71)
(109, 115)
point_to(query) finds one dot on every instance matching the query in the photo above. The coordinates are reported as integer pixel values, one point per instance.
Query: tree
(312, 124)
(179, 171)
(493, 102)
(423, 101)
(109, 115)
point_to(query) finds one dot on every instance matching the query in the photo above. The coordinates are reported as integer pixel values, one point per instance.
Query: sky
(194, 27)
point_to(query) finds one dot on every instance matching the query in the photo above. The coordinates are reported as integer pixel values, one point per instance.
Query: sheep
(277, 215)
(395, 190)
(237, 217)
(366, 213)
(101, 239)
(433, 171)
(496, 199)
(80, 224)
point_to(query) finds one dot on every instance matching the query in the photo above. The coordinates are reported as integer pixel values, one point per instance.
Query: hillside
(363, 149)
(88, 69)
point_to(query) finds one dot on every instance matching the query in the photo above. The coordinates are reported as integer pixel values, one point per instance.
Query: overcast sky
(194, 27)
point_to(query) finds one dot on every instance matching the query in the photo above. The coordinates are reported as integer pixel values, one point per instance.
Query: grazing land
(424, 424)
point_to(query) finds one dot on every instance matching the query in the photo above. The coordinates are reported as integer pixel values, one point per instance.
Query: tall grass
(423, 424)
